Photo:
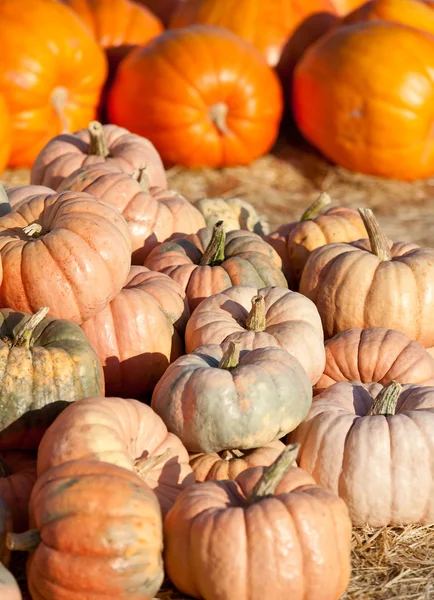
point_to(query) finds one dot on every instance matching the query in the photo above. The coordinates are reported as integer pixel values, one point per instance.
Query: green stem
(215, 251)
(98, 145)
(377, 239)
(23, 542)
(231, 357)
(22, 334)
(385, 402)
(316, 208)
(273, 475)
(5, 207)
(256, 320)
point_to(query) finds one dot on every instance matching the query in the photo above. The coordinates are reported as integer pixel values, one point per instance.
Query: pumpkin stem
(218, 114)
(144, 465)
(98, 145)
(141, 176)
(385, 402)
(273, 475)
(5, 470)
(316, 208)
(377, 239)
(230, 454)
(23, 542)
(215, 251)
(34, 230)
(59, 99)
(5, 207)
(23, 332)
(256, 319)
(231, 357)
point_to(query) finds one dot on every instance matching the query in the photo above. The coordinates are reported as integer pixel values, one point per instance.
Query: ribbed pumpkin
(412, 13)
(153, 214)
(17, 478)
(267, 25)
(5, 134)
(126, 433)
(139, 332)
(212, 261)
(44, 363)
(236, 213)
(222, 109)
(9, 589)
(51, 75)
(97, 144)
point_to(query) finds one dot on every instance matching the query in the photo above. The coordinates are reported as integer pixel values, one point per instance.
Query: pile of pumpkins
(211, 89)
(160, 377)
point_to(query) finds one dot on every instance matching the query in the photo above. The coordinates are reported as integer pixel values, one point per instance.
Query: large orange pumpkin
(267, 25)
(413, 13)
(221, 108)
(51, 73)
(5, 134)
(363, 95)
(343, 7)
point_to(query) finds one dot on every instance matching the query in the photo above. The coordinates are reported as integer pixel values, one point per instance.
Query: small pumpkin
(68, 251)
(96, 532)
(266, 25)
(211, 261)
(412, 13)
(363, 95)
(126, 433)
(272, 316)
(5, 134)
(214, 400)
(17, 478)
(375, 354)
(360, 285)
(44, 362)
(236, 213)
(268, 512)
(214, 466)
(139, 332)
(95, 145)
(372, 446)
(153, 214)
(52, 79)
(221, 109)
(295, 242)
(9, 589)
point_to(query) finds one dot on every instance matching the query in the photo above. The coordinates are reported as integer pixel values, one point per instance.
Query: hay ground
(387, 563)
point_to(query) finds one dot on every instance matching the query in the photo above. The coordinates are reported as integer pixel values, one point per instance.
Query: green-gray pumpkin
(216, 401)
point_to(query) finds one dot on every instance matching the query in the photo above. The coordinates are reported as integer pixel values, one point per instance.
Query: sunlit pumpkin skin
(363, 96)
(373, 462)
(9, 589)
(289, 319)
(135, 356)
(17, 478)
(20, 195)
(236, 213)
(5, 134)
(124, 433)
(375, 355)
(97, 144)
(250, 401)
(75, 257)
(203, 268)
(231, 100)
(203, 562)
(101, 535)
(267, 25)
(54, 365)
(343, 7)
(412, 13)
(213, 466)
(51, 87)
(153, 214)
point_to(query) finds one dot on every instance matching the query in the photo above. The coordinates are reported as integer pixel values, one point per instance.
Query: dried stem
(215, 251)
(23, 542)
(23, 332)
(5, 207)
(231, 357)
(98, 145)
(377, 239)
(218, 114)
(34, 230)
(144, 465)
(316, 208)
(256, 320)
(385, 402)
(141, 176)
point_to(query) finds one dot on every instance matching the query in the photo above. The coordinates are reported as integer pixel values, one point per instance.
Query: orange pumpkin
(222, 108)
(5, 134)
(343, 7)
(51, 74)
(267, 25)
(17, 478)
(363, 95)
(164, 9)
(413, 13)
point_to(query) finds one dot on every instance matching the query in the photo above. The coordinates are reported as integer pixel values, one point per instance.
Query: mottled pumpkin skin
(248, 260)
(60, 366)
(412, 13)
(292, 544)
(212, 466)
(101, 535)
(17, 478)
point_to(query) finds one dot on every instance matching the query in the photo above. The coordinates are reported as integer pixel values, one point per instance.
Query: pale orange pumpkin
(411, 13)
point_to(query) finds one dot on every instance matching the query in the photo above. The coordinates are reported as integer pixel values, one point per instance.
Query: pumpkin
(17, 478)
(375, 354)
(361, 285)
(214, 400)
(363, 95)
(122, 432)
(235, 212)
(266, 25)
(45, 363)
(271, 533)
(295, 242)
(139, 332)
(52, 79)
(16, 196)
(343, 7)
(162, 8)
(372, 445)
(412, 13)
(9, 589)
(221, 109)
(211, 261)
(271, 316)
(97, 533)
(229, 464)
(68, 251)
(152, 213)
(5, 134)
(94, 145)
